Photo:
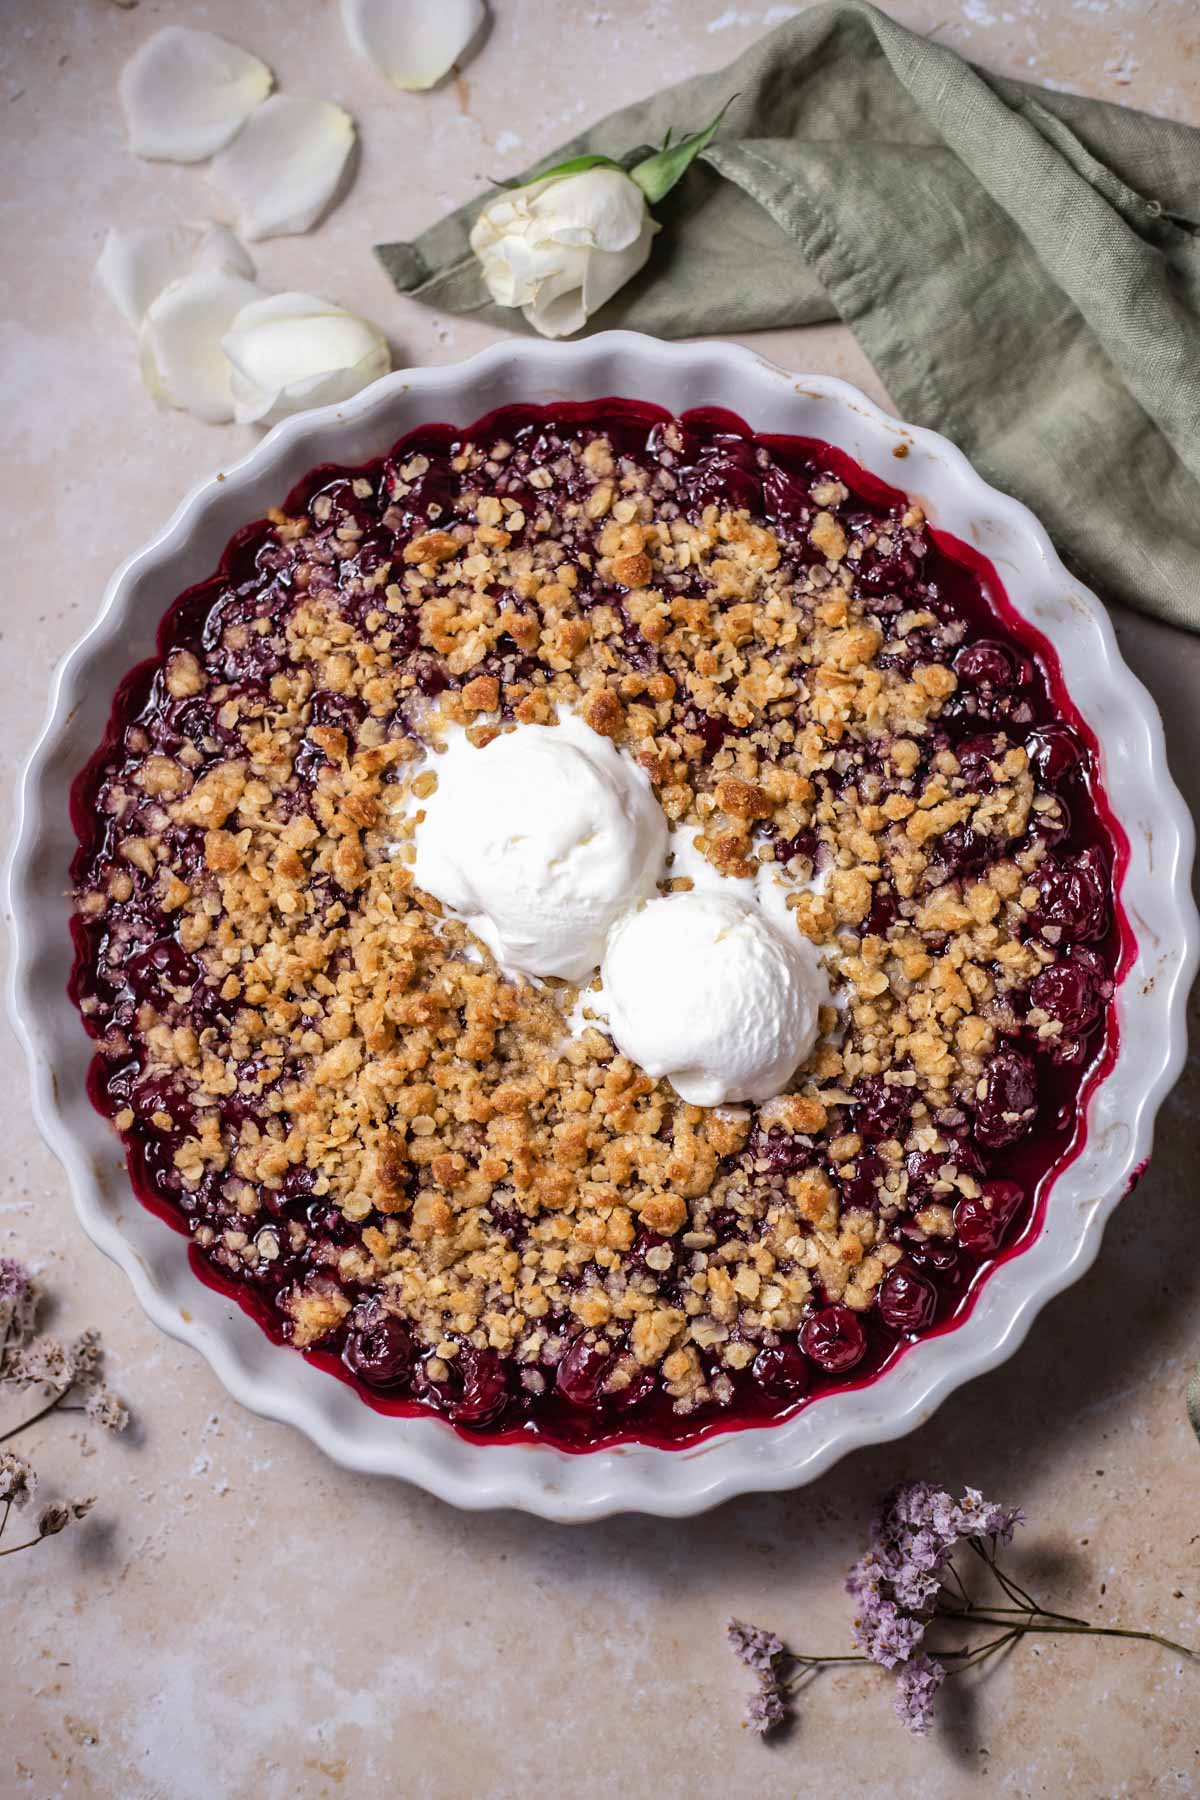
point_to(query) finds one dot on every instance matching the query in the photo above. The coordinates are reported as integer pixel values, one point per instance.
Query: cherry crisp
(404, 1162)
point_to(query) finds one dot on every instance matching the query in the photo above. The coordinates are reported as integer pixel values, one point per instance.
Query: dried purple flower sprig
(69, 1375)
(905, 1583)
(765, 1653)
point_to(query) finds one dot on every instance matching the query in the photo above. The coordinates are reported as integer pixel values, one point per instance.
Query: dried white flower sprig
(69, 1377)
(905, 1585)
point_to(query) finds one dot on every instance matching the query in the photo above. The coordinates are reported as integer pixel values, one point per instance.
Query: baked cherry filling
(409, 1166)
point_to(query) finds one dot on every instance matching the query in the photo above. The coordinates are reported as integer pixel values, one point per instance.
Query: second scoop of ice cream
(540, 841)
(702, 989)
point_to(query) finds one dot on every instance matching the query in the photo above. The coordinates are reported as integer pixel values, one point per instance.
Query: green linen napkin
(1021, 266)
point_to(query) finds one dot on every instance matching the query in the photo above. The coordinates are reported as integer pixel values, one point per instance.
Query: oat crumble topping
(360, 1117)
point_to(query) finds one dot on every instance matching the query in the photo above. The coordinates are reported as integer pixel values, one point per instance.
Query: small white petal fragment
(413, 42)
(135, 266)
(293, 351)
(187, 93)
(283, 169)
(183, 363)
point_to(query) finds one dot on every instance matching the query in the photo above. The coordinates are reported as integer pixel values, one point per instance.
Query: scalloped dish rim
(535, 1477)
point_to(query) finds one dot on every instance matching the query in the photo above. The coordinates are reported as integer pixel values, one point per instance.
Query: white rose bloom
(562, 246)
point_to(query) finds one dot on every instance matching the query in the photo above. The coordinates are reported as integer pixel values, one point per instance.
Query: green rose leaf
(659, 173)
(575, 166)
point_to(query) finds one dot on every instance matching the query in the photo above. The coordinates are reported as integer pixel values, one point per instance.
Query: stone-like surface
(240, 1618)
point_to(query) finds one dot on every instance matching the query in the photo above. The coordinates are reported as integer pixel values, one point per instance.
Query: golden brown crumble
(513, 1182)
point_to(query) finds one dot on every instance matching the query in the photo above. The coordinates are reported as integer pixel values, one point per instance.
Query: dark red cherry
(834, 1339)
(644, 1241)
(924, 1167)
(885, 910)
(164, 961)
(786, 499)
(907, 1300)
(725, 473)
(804, 843)
(781, 1370)
(982, 1222)
(339, 505)
(880, 1107)
(932, 1252)
(878, 574)
(976, 756)
(484, 1387)
(711, 728)
(380, 1352)
(582, 1370)
(1072, 902)
(1009, 1104)
(1054, 751)
(988, 664)
(862, 1187)
(1070, 993)
(639, 1388)
(1050, 825)
(783, 1153)
(961, 851)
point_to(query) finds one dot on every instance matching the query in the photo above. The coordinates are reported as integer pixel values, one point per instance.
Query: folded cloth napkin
(1021, 266)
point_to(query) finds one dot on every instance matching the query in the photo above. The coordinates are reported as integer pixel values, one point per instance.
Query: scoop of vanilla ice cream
(702, 988)
(540, 841)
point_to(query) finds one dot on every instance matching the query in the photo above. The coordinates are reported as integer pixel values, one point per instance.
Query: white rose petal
(412, 42)
(562, 246)
(183, 363)
(283, 168)
(135, 266)
(186, 93)
(293, 351)
(604, 274)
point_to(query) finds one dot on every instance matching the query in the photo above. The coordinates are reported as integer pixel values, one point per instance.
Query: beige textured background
(241, 1619)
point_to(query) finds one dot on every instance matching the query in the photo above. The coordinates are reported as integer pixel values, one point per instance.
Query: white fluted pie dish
(1154, 896)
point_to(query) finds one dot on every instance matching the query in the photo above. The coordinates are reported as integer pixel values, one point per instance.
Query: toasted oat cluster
(408, 1160)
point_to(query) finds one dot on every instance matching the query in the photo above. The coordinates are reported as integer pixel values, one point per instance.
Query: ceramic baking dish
(271, 1378)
